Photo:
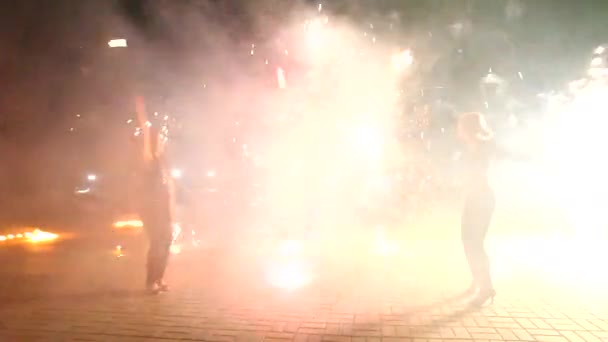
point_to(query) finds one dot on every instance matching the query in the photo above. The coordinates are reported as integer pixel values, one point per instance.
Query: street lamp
(114, 43)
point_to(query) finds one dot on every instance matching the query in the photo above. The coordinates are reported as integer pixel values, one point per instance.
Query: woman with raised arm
(479, 203)
(156, 212)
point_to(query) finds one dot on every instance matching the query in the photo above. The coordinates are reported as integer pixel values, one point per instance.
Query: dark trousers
(160, 238)
(476, 219)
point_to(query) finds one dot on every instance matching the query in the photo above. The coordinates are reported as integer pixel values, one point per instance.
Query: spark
(402, 60)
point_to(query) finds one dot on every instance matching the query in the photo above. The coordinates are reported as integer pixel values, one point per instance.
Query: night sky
(47, 43)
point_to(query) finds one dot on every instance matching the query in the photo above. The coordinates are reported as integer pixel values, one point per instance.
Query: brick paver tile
(601, 334)
(543, 338)
(588, 336)
(526, 323)
(540, 323)
(543, 332)
(572, 336)
(523, 335)
(507, 334)
(485, 336)
(336, 338)
(587, 325)
(396, 339)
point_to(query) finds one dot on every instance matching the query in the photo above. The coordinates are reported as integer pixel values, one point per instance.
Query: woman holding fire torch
(156, 204)
(479, 203)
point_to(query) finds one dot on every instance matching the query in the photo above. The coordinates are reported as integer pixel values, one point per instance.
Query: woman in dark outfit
(155, 211)
(479, 203)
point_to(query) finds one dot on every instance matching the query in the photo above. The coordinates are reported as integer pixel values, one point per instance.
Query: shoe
(482, 298)
(152, 289)
(472, 290)
(162, 286)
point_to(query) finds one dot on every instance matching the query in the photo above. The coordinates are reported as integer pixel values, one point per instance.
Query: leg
(163, 257)
(475, 223)
(154, 261)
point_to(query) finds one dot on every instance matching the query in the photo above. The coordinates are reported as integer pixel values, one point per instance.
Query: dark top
(153, 194)
(477, 164)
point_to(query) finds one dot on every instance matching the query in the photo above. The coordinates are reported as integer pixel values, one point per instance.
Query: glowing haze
(311, 102)
(334, 123)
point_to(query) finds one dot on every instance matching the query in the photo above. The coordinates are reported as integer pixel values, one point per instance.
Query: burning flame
(128, 224)
(35, 236)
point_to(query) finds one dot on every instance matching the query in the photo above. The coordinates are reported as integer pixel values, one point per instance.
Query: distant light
(175, 249)
(77, 115)
(521, 76)
(176, 173)
(129, 121)
(2, 238)
(19, 236)
(83, 191)
(114, 43)
(91, 177)
(320, 7)
(211, 173)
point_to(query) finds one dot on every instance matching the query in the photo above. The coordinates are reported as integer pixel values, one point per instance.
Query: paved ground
(354, 291)
(354, 287)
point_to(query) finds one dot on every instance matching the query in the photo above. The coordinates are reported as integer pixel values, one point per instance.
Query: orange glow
(290, 276)
(34, 236)
(118, 251)
(41, 236)
(128, 224)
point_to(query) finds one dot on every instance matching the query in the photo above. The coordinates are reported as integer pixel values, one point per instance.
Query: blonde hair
(473, 126)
